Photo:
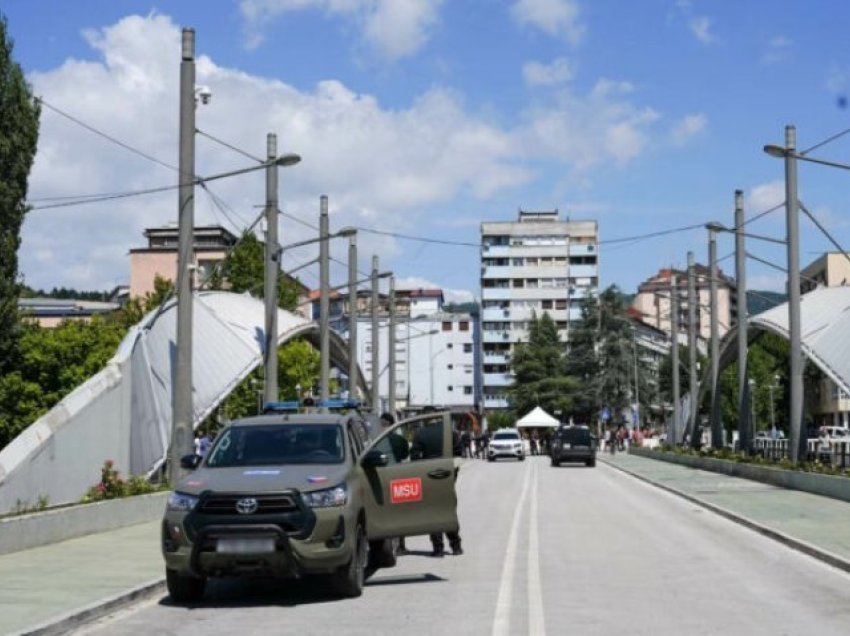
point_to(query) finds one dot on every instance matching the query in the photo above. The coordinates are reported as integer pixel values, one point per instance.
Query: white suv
(505, 443)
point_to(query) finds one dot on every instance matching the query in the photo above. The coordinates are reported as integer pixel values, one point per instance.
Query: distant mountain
(759, 301)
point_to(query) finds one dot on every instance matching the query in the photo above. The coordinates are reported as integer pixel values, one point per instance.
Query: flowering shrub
(112, 486)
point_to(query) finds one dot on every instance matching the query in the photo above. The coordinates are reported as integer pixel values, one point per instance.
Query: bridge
(123, 413)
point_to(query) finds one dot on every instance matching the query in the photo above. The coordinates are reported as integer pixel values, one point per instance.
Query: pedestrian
(466, 442)
(535, 440)
(478, 440)
(204, 444)
(437, 544)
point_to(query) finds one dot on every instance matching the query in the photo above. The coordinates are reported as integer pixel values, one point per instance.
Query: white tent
(538, 418)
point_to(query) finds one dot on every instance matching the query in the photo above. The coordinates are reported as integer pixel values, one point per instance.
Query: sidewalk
(810, 523)
(58, 585)
(52, 589)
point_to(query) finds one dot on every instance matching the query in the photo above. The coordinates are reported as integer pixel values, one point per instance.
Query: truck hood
(260, 479)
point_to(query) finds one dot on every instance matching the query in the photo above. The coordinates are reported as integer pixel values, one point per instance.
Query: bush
(112, 486)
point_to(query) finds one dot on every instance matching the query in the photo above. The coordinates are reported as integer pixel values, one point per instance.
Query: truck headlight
(181, 502)
(336, 496)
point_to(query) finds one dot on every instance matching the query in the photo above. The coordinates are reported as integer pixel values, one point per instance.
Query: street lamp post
(376, 401)
(270, 387)
(353, 370)
(745, 425)
(324, 299)
(716, 425)
(795, 377)
(391, 397)
(692, 351)
(752, 384)
(674, 345)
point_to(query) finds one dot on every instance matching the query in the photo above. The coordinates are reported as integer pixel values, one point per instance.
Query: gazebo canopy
(538, 418)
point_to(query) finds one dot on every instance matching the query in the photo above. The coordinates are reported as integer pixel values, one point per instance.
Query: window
(467, 347)
(467, 390)
(547, 304)
(450, 388)
(561, 303)
(450, 366)
(518, 283)
(447, 326)
(463, 326)
(449, 346)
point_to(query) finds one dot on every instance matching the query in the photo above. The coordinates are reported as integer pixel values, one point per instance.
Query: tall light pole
(770, 387)
(376, 393)
(692, 350)
(795, 377)
(272, 256)
(674, 310)
(353, 371)
(716, 424)
(324, 299)
(182, 403)
(391, 349)
(745, 425)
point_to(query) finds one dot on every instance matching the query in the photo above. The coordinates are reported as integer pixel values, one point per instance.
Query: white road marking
(502, 620)
(536, 620)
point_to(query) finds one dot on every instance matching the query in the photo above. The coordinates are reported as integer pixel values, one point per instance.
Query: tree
(540, 370)
(616, 356)
(583, 361)
(19, 112)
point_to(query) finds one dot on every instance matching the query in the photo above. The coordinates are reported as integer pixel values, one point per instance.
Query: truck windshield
(278, 444)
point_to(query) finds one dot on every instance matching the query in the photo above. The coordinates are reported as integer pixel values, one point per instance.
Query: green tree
(616, 355)
(583, 361)
(19, 112)
(539, 368)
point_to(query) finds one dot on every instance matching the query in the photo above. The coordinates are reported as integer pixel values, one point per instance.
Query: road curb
(796, 544)
(77, 618)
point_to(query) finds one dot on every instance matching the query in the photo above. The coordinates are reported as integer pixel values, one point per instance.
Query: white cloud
(765, 196)
(381, 168)
(687, 127)
(700, 26)
(558, 18)
(393, 28)
(559, 71)
(778, 50)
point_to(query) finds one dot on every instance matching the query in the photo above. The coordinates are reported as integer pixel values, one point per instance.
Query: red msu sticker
(405, 490)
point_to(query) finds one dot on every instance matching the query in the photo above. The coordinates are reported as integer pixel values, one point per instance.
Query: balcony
(496, 336)
(497, 271)
(495, 251)
(495, 402)
(496, 358)
(584, 271)
(498, 379)
(495, 314)
(495, 293)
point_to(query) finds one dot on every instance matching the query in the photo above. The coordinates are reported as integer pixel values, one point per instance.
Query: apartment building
(830, 404)
(538, 263)
(652, 302)
(211, 244)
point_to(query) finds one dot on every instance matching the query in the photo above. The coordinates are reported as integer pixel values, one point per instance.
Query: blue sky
(426, 117)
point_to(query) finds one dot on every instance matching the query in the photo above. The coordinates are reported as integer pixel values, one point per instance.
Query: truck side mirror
(374, 459)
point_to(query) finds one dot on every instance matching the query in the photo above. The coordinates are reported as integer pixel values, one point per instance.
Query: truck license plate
(259, 545)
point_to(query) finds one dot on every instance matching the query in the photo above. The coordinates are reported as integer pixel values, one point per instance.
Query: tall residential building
(534, 265)
(652, 301)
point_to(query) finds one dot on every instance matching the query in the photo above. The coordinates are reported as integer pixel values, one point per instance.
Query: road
(569, 550)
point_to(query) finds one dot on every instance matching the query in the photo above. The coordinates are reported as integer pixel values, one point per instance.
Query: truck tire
(184, 589)
(382, 554)
(348, 580)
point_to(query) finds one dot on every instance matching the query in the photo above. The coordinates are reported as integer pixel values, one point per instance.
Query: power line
(108, 137)
(104, 197)
(823, 229)
(227, 145)
(825, 141)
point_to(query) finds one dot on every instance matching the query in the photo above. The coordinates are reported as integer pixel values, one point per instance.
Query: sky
(420, 119)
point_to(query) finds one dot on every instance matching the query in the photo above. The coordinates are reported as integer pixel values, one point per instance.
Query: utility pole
(745, 425)
(272, 269)
(716, 425)
(376, 393)
(391, 349)
(353, 370)
(692, 351)
(324, 298)
(795, 378)
(182, 413)
(674, 310)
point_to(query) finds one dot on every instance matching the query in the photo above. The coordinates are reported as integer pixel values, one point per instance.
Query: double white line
(502, 620)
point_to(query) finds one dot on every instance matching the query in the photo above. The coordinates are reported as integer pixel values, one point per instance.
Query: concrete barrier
(51, 526)
(815, 483)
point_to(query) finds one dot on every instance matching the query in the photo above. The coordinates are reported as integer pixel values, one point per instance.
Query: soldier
(437, 544)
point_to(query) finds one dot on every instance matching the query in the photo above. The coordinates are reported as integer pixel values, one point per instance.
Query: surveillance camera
(204, 92)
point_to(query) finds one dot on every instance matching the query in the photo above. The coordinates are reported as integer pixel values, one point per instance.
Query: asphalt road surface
(569, 550)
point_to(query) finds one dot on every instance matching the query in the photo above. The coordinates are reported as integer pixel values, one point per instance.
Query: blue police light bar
(290, 405)
(338, 403)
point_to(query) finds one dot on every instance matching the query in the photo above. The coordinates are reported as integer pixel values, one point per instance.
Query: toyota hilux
(296, 495)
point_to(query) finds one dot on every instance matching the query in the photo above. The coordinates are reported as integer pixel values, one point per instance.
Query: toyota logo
(247, 506)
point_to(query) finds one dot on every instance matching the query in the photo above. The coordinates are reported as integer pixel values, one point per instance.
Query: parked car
(573, 444)
(505, 443)
(306, 494)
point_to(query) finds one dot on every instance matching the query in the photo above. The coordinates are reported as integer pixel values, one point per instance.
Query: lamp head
(714, 226)
(385, 274)
(347, 231)
(776, 151)
(289, 159)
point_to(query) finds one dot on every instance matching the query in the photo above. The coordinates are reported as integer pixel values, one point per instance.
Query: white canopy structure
(538, 418)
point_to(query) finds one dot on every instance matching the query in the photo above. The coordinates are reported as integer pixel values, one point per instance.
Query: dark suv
(573, 444)
(299, 495)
